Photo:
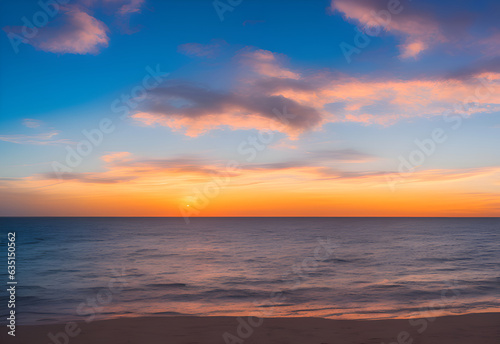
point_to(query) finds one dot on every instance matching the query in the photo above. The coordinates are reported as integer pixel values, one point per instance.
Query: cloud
(490, 46)
(277, 166)
(267, 95)
(123, 10)
(40, 139)
(195, 109)
(283, 145)
(136, 186)
(73, 31)
(180, 165)
(266, 63)
(419, 29)
(318, 165)
(413, 49)
(118, 7)
(333, 173)
(201, 50)
(424, 25)
(443, 175)
(31, 123)
(344, 155)
(129, 7)
(116, 156)
(200, 109)
(385, 101)
(487, 68)
(122, 167)
(270, 84)
(94, 178)
(320, 160)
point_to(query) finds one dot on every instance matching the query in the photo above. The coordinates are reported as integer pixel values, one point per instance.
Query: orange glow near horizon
(178, 192)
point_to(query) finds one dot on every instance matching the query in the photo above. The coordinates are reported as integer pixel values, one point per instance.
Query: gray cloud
(280, 84)
(323, 172)
(473, 69)
(94, 178)
(179, 164)
(344, 155)
(444, 25)
(318, 161)
(192, 101)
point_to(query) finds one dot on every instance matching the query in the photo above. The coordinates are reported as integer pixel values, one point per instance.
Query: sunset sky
(250, 108)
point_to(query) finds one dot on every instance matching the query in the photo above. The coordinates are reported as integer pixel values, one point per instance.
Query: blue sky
(355, 117)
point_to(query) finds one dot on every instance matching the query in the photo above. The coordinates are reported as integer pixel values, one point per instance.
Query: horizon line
(202, 217)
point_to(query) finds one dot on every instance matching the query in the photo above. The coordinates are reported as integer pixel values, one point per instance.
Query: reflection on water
(378, 267)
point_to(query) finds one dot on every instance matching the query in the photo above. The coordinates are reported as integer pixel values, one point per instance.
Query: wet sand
(462, 329)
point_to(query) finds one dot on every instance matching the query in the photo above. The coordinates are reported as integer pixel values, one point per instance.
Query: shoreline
(470, 328)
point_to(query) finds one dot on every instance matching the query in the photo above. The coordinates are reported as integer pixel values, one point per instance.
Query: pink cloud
(311, 100)
(235, 119)
(74, 32)
(386, 101)
(266, 63)
(116, 156)
(420, 30)
(412, 49)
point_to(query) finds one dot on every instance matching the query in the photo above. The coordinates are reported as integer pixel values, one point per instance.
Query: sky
(249, 108)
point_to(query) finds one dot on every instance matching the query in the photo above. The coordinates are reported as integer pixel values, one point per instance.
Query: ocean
(339, 268)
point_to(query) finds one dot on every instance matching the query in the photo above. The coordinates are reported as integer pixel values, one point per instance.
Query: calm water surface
(71, 268)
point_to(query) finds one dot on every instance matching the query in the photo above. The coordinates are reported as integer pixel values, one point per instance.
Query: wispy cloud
(424, 25)
(122, 167)
(312, 99)
(201, 50)
(299, 187)
(344, 155)
(31, 123)
(39, 139)
(266, 63)
(93, 178)
(419, 29)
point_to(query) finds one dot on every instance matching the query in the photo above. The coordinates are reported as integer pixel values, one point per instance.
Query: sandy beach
(463, 329)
